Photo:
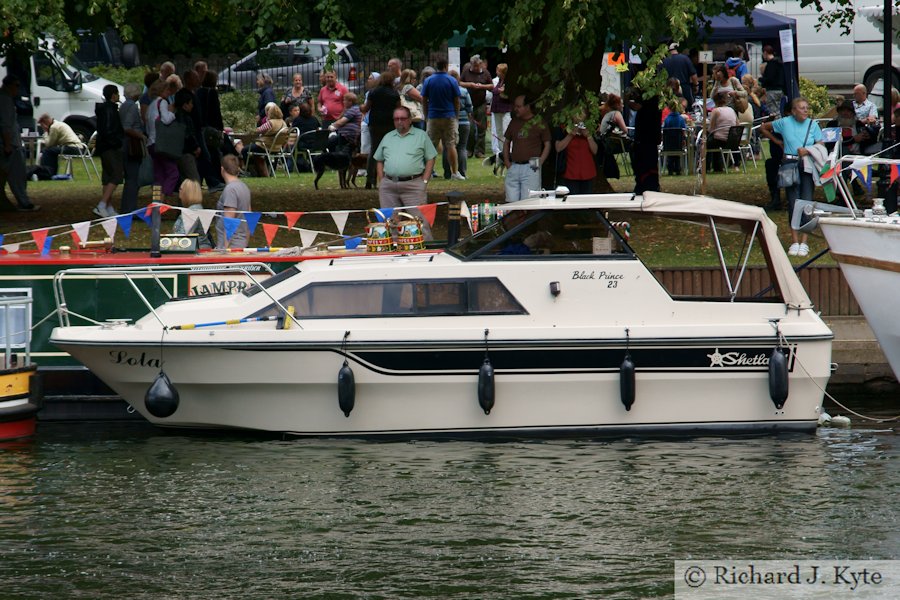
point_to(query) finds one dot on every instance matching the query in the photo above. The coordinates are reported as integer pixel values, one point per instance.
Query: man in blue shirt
(440, 102)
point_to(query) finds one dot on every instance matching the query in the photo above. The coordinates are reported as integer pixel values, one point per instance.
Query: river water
(129, 511)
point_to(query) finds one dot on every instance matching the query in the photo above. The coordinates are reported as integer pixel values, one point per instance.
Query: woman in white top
(722, 119)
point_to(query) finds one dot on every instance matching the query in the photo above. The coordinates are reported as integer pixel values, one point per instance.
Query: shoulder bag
(789, 169)
(169, 138)
(415, 109)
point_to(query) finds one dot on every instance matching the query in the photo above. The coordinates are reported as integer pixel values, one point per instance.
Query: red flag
(40, 236)
(292, 217)
(895, 173)
(75, 239)
(270, 229)
(428, 211)
(162, 208)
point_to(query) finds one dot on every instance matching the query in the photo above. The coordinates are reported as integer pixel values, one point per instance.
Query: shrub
(121, 75)
(817, 96)
(239, 110)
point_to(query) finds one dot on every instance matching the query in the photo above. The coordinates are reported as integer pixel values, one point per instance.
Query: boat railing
(857, 163)
(8, 305)
(155, 272)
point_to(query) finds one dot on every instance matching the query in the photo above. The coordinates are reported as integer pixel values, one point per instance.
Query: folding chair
(616, 145)
(674, 145)
(286, 152)
(269, 152)
(732, 147)
(313, 143)
(84, 153)
(746, 144)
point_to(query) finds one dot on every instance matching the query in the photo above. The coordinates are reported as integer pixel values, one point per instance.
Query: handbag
(789, 169)
(415, 109)
(170, 139)
(788, 173)
(137, 149)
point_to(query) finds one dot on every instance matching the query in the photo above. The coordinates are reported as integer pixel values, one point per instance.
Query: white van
(60, 87)
(829, 58)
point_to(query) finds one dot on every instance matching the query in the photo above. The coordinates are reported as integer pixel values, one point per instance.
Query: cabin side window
(458, 297)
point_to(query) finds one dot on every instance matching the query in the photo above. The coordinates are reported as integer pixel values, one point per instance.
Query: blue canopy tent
(766, 27)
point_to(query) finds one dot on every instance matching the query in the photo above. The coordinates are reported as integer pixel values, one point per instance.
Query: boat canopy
(662, 203)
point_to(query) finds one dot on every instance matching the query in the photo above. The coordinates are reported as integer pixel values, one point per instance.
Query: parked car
(106, 48)
(280, 60)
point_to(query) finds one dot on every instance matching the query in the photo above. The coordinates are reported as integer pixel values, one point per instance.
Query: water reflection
(139, 513)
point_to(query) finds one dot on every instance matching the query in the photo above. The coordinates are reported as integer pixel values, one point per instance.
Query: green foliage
(817, 96)
(239, 110)
(120, 74)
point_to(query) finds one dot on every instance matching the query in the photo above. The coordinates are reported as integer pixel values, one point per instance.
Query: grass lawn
(67, 202)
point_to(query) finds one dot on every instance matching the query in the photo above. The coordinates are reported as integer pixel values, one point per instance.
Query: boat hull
(20, 401)
(868, 253)
(560, 388)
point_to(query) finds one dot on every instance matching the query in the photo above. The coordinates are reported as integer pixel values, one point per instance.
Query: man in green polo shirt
(404, 161)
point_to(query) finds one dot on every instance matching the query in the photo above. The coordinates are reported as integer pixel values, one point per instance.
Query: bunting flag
(231, 225)
(828, 188)
(81, 231)
(11, 248)
(252, 219)
(827, 172)
(292, 217)
(1, 239)
(145, 216)
(352, 242)
(163, 208)
(895, 173)
(865, 173)
(48, 244)
(307, 237)
(428, 211)
(109, 226)
(464, 212)
(124, 222)
(383, 214)
(206, 217)
(340, 219)
(188, 219)
(39, 236)
(270, 229)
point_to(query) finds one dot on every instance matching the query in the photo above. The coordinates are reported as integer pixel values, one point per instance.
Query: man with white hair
(865, 109)
(60, 138)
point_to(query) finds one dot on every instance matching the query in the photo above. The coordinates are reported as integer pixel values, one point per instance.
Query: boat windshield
(267, 283)
(545, 233)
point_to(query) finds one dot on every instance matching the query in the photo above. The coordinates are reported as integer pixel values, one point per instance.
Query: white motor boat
(866, 245)
(545, 323)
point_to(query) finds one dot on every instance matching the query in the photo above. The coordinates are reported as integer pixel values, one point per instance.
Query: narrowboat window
(550, 233)
(399, 299)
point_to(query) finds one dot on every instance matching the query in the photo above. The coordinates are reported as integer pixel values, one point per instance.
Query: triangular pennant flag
(81, 231)
(231, 225)
(340, 219)
(292, 217)
(895, 173)
(206, 217)
(352, 243)
(252, 219)
(48, 243)
(383, 214)
(39, 236)
(464, 212)
(125, 223)
(109, 226)
(188, 219)
(270, 229)
(1, 239)
(149, 210)
(145, 216)
(11, 248)
(865, 173)
(307, 237)
(164, 208)
(428, 211)
(828, 188)
(827, 172)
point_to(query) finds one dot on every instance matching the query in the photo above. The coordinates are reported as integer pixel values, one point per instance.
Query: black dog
(336, 161)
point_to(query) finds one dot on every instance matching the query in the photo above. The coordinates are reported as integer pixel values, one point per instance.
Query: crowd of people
(406, 119)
